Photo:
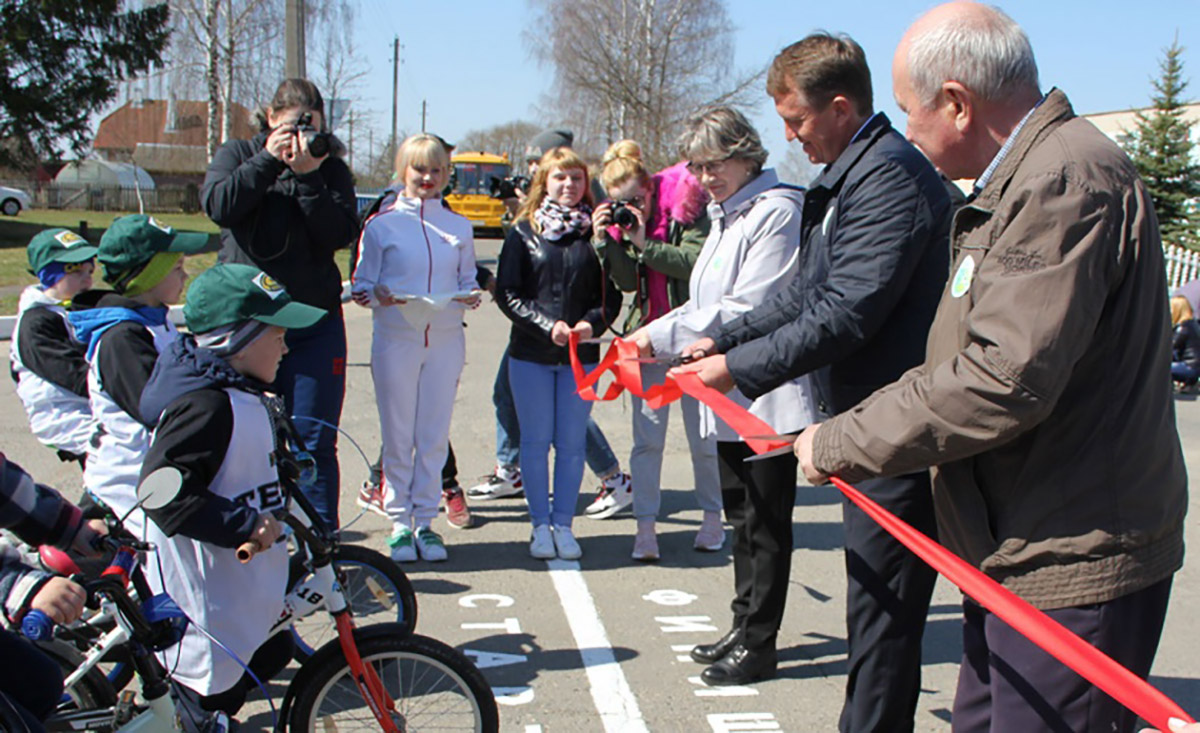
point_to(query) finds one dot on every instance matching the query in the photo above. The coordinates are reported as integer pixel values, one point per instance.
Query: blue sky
(468, 60)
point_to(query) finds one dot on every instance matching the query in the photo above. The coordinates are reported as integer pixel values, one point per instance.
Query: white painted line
(703, 690)
(611, 693)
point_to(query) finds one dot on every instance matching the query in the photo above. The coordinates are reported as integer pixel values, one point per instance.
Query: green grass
(16, 232)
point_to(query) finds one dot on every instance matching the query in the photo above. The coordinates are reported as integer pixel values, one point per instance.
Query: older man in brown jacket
(1043, 405)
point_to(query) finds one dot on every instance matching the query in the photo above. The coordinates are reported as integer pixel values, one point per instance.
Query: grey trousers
(649, 438)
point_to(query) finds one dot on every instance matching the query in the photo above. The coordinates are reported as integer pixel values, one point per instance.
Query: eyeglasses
(712, 167)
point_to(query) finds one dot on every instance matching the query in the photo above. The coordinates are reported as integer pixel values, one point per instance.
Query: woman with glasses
(752, 252)
(650, 233)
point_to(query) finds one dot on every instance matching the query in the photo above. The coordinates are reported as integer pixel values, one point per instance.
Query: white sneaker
(541, 543)
(568, 548)
(501, 483)
(616, 493)
(401, 542)
(430, 546)
(645, 543)
(711, 537)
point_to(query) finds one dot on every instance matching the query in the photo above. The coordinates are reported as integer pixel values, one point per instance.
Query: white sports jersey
(116, 451)
(58, 417)
(235, 603)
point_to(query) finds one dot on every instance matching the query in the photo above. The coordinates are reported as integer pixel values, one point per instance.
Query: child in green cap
(214, 436)
(48, 364)
(123, 330)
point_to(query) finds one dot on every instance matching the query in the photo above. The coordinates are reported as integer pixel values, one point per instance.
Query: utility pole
(395, 89)
(350, 147)
(422, 115)
(294, 66)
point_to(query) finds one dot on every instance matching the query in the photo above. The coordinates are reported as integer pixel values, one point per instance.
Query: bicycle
(376, 677)
(375, 587)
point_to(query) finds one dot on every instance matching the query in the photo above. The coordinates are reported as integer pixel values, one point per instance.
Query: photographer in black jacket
(286, 210)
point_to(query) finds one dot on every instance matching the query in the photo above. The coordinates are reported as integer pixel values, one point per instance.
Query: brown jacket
(1043, 404)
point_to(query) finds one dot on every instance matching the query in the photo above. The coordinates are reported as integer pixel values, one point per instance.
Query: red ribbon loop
(1052, 637)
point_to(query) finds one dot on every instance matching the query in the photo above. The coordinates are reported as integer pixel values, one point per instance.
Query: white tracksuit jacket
(418, 248)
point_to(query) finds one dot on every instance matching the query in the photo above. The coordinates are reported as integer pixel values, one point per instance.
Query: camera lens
(318, 144)
(623, 217)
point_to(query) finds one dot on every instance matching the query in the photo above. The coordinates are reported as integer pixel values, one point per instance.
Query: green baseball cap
(133, 240)
(57, 245)
(226, 294)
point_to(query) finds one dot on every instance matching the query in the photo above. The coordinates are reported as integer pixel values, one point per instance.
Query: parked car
(12, 200)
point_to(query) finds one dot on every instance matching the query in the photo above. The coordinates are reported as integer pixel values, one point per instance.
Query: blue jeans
(599, 455)
(312, 382)
(551, 412)
(1184, 373)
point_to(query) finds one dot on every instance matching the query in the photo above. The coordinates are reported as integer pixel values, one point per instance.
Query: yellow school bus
(473, 173)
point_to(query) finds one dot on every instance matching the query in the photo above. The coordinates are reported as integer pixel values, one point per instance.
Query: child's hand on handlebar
(61, 599)
(265, 533)
(87, 539)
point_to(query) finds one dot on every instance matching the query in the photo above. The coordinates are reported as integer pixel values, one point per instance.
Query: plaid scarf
(557, 220)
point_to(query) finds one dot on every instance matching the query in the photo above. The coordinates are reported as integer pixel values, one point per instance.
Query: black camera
(506, 188)
(318, 140)
(622, 216)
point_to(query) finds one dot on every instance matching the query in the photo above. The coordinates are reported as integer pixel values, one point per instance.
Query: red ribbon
(1052, 637)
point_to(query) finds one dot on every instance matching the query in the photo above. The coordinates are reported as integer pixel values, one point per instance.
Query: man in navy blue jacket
(874, 262)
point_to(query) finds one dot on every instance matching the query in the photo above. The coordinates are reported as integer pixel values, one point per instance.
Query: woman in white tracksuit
(416, 270)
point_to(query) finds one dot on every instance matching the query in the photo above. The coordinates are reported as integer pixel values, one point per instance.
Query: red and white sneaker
(616, 493)
(501, 483)
(370, 497)
(458, 514)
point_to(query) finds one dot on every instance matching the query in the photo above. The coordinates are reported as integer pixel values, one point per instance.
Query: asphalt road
(601, 644)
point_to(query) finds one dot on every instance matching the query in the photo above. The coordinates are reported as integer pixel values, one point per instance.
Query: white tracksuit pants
(416, 377)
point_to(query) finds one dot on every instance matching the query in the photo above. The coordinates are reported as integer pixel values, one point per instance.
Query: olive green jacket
(673, 258)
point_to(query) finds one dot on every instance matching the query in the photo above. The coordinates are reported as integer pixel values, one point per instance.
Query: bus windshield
(477, 177)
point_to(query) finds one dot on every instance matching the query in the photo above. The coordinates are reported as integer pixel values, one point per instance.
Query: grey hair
(986, 52)
(721, 132)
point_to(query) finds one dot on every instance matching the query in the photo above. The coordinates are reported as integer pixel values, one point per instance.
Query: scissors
(671, 360)
(782, 450)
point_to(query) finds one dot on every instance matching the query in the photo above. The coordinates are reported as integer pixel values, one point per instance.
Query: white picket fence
(1183, 265)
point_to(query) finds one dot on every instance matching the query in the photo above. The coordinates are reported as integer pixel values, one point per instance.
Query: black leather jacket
(1185, 343)
(539, 282)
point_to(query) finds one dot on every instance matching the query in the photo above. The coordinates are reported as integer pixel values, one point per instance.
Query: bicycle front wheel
(433, 685)
(376, 589)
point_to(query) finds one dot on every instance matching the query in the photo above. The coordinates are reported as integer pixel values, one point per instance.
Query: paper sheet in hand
(418, 310)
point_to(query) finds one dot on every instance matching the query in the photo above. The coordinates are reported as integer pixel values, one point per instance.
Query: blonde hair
(1181, 310)
(622, 162)
(422, 149)
(554, 159)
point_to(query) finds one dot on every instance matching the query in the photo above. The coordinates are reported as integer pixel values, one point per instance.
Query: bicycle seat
(57, 561)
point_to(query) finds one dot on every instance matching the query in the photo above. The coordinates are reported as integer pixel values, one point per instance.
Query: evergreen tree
(61, 61)
(1162, 149)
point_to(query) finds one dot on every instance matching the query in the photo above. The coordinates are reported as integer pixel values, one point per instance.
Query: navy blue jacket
(874, 260)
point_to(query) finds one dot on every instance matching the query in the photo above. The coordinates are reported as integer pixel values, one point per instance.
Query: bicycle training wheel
(376, 588)
(433, 685)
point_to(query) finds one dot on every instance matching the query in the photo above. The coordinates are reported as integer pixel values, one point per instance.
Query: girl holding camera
(649, 247)
(551, 284)
(286, 209)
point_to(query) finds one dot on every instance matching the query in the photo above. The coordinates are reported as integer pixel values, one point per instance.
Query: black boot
(741, 666)
(712, 653)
